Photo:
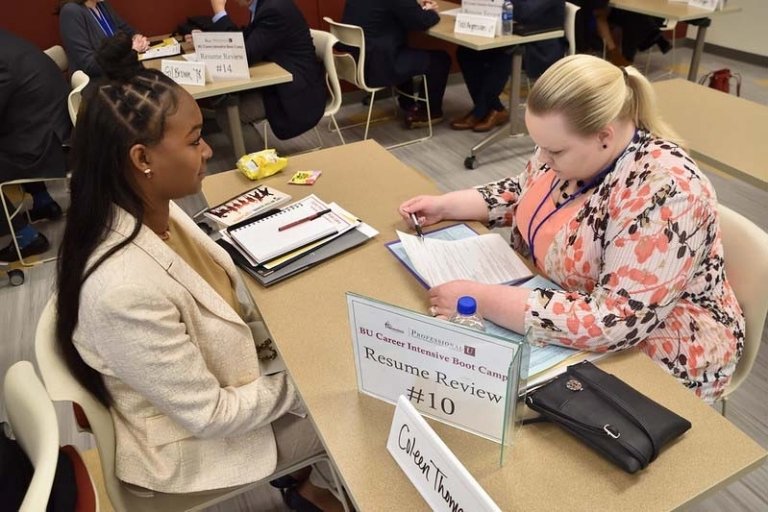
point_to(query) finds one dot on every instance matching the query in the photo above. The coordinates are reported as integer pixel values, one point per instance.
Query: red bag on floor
(721, 80)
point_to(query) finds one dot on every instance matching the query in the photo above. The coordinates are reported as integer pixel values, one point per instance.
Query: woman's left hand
(443, 298)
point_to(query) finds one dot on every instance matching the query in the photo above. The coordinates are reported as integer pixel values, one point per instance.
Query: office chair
(59, 56)
(33, 419)
(570, 26)
(78, 81)
(667, 26)
(63, 386)
(745, 248)
(323, 42)
(353, 71)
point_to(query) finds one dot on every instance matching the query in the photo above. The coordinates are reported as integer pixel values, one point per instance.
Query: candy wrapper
(305, 177)
(261, 164)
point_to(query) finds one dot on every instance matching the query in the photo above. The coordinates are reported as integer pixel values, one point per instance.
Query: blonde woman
(612, 209)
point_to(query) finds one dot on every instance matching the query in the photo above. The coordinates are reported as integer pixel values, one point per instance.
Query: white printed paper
(223, 54)
(486, 259)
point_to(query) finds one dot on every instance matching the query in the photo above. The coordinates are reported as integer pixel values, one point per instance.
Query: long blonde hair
(591, 92)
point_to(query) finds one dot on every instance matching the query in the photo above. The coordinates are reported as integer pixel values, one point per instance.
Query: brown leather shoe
(492, 120)
(466, 122)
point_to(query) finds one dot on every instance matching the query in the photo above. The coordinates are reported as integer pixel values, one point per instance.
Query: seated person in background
(487, 72)
(615, 212)
(390, 61)
(278, 32)
(34, 124)
(142, 291)
(83, 25)
(593, 31)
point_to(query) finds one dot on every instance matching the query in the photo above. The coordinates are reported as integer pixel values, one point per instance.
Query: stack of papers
(165, 48)
(287, 241)
(458, 252)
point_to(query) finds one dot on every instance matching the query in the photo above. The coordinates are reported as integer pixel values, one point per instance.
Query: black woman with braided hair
(152, 316)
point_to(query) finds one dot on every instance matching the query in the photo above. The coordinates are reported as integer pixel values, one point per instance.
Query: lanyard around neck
(101, 18)
(595, 181)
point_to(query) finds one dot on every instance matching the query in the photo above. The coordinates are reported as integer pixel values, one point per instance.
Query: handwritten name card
(223, 54)
(184, 72)
(438, 475)
(475, 25)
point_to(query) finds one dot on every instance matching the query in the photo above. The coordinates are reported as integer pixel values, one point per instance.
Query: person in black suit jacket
(279, 33)
(486, 72)
(34, 123)
(389, 60)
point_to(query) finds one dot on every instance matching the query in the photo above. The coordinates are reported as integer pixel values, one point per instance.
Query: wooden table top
(677, 11)
(444, 31)
(263, 74)
(546, 469)
(719, 129)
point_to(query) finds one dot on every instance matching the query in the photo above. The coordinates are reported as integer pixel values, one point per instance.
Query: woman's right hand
(428, 209)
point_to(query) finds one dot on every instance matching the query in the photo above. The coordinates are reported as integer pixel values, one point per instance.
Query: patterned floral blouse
(640, 263)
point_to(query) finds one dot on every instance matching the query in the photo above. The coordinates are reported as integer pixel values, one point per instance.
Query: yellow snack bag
(261, 164)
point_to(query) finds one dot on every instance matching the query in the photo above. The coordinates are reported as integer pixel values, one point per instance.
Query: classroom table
(678, 11)
(263, 74)
(719, 129)
(546, 469)
(444, 30)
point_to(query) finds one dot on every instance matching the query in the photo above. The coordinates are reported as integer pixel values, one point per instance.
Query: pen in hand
(417, 225)
(304, 219)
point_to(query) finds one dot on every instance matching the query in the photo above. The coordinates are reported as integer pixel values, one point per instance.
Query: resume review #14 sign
(223, 54)
(448, 372)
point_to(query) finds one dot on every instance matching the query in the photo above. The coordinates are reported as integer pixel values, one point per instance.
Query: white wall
(746, 30)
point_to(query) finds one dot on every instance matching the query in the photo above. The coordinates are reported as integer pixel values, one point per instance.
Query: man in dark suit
(34, 123)
(278, 32)
(389, 60)
(487, 72)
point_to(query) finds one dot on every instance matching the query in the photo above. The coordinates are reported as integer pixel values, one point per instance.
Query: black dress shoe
(37, 246)
(50, 211)
(297, 502)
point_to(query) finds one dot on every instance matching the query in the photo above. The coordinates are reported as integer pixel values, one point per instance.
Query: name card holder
(223, 54)
(450, 373)
(441, 479)
(476, 25)
(184, 72)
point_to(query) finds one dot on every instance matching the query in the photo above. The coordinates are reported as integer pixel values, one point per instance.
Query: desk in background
(263, 74)
(548, 469)
(678, 12)
(444, 30)
(724, 131)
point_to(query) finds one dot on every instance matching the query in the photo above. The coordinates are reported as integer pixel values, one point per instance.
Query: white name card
(475, 25)
(450, 373)
(483, 7)
(223, 54)
(184, 72)
(441, 479)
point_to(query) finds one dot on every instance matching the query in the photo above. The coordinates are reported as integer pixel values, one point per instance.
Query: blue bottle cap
(466, 305)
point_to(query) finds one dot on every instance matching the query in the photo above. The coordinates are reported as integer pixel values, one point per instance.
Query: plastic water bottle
(466, 314)
(507, 10)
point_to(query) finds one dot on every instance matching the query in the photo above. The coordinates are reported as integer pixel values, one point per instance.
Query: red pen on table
(304, 219)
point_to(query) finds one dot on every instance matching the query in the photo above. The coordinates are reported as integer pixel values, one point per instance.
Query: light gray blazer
(82, 36)
(191, 410)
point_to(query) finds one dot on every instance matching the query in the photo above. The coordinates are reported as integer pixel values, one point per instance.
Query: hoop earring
(148, 173)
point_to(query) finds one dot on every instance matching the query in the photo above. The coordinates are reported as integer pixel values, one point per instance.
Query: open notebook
(294, 226)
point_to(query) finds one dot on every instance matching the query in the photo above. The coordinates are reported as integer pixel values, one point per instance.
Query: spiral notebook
(294, 226)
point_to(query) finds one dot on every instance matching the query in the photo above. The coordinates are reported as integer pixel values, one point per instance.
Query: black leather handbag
(611, 417)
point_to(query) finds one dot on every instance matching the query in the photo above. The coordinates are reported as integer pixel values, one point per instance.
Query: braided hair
(128, 106)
